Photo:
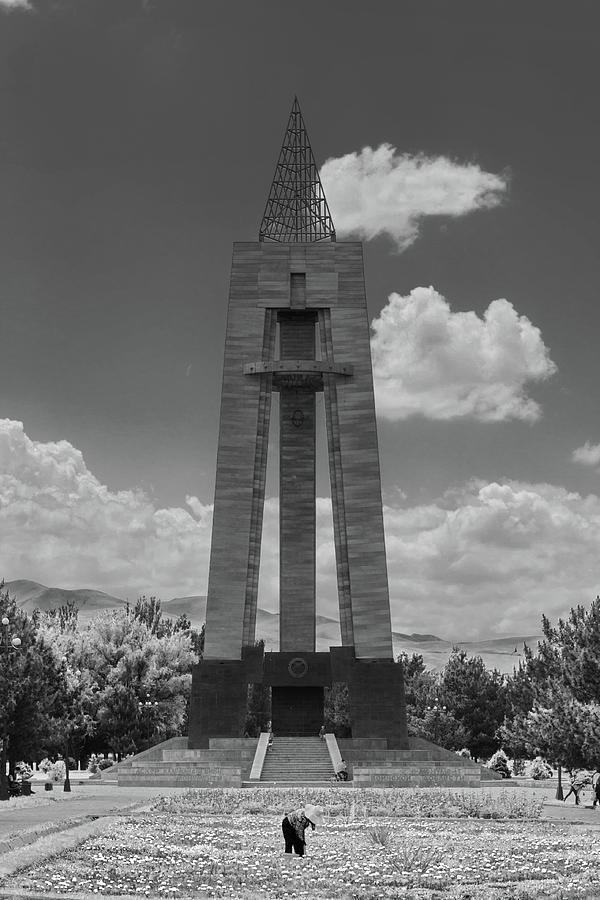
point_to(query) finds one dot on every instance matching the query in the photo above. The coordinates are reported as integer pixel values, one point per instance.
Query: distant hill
(497, 653)
(503, 653)
(30, 595)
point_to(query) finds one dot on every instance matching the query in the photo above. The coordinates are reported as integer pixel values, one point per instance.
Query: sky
(459, 141)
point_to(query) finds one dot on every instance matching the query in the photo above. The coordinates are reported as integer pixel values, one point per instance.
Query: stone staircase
(297, 760)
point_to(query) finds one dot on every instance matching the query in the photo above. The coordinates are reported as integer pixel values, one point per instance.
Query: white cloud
(430, 361)
(15, 4)
(381, 191)
(588, 455)
(62, 527)
(481, 559)
(491, 558)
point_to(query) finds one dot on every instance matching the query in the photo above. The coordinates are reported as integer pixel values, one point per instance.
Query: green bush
(540, 770)
(499, 763)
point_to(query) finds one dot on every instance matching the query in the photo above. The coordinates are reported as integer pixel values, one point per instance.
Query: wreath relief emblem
(297, 667)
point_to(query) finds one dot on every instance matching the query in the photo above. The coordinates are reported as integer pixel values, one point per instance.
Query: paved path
(85, 800)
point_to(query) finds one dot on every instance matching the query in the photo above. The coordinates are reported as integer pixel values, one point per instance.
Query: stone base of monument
(225, 763)
(423, 764)
(228, 763)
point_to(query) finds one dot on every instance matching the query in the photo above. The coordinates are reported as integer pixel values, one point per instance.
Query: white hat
(314, 813)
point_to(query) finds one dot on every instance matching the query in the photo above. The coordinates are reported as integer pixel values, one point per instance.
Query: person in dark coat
(295, 824)
(596, 785)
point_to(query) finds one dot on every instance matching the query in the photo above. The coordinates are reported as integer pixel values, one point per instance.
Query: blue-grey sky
(138, 142)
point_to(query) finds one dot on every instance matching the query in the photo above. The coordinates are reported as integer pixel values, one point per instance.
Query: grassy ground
(423, 845)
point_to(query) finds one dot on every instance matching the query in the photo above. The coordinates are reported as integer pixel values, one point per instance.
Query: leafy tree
(441, 727)
(127, 665)
(336, 711)
(258, 713)
(419, 686)
(30, 682)
(73, 717)
(475, 698)
(149, 611)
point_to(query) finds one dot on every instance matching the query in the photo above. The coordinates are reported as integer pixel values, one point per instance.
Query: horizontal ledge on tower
(284, 366)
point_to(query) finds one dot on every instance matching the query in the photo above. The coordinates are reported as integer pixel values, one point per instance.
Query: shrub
(499, 763)
(98, 763)
(465, 753)
(56, 772)
(540, 769)
(45, 765)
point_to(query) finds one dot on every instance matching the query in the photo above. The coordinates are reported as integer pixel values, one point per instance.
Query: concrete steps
(297, 760)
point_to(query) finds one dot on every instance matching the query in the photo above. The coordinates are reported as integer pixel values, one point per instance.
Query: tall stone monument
(297, 325)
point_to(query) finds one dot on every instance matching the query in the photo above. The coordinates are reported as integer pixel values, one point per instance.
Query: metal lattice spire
(296, 211)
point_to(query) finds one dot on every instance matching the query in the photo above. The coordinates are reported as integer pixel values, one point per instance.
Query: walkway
(84, 801)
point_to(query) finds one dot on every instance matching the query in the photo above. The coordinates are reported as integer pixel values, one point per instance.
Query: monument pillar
(298, 325)
(297, 520)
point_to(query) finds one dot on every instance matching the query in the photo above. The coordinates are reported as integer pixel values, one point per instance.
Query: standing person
(295, 824)
(596, 785)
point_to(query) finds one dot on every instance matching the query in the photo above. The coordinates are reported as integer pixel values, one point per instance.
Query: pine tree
(562, 684)
(476, 699)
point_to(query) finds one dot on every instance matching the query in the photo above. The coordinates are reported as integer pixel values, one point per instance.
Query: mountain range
(503, 653)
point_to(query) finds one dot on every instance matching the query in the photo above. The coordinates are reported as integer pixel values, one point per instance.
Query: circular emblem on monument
(297, 418)
(297, 667)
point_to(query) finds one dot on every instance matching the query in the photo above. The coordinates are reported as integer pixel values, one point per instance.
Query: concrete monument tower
(297, 324)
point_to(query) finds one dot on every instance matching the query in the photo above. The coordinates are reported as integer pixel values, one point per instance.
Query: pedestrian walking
(579, 780)
(295, 824)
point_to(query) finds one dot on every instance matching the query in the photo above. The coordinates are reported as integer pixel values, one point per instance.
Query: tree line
(122, 682)
(118, 684)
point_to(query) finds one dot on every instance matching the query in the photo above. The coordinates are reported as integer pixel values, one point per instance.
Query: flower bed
(360, 803)
(189, 853)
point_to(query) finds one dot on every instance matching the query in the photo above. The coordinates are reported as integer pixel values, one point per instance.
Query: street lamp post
(70, 675)
(8, 643)
(436, 709)
(147, 707)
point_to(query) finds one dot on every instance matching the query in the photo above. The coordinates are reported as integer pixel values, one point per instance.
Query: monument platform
(302, 761)
(371, 764)
(226, 763)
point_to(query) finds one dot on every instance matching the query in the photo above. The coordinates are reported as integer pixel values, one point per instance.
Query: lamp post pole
(8, 643)
(146, 707)
(436, 709)
(72, 675)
